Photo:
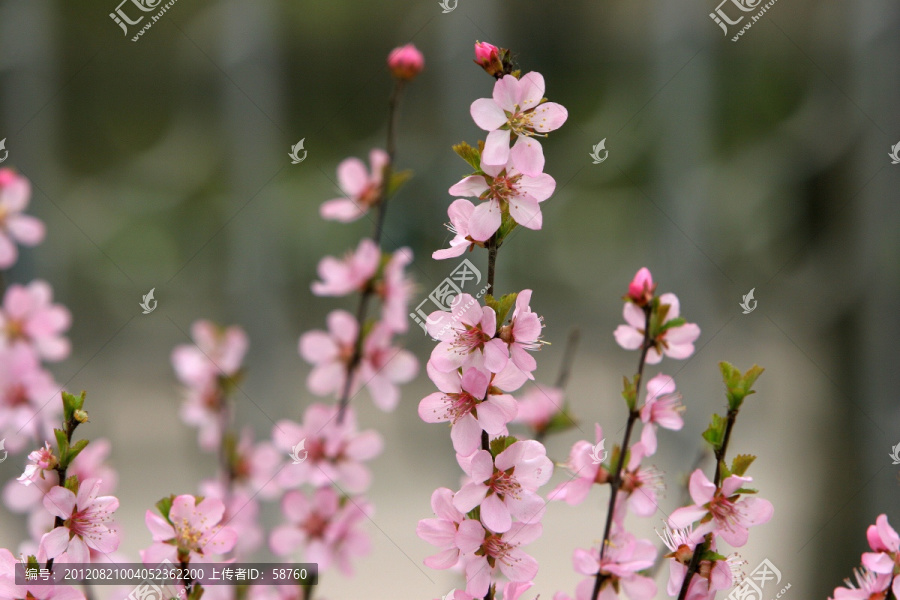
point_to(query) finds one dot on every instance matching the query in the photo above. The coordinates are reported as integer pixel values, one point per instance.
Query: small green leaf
(740, 463)
(72, 484)
(474, 514)
(630, 391)
(469, 154)
(62, 442)
(746, 491)
(676, 322)
(738, 386)
(711, 555)
(75, 449)
(503, 307)
(501, 443)
(715, 433)
(164, 506)
(397, 180)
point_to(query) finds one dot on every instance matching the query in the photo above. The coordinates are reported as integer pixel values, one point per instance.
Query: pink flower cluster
(879, 576)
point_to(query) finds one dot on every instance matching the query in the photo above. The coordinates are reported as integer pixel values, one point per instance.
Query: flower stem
(492, 265)
(61, 469)
(694, 565)
(568, 357)
(368, 291)
(616, 480)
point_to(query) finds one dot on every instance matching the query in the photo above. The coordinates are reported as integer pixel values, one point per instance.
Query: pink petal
(527, 155)
(485, 220)
(433, 408)
(487, 114)
(466, 435)
(60, 502)
(496, 148)
(539, 187)
(341, 209)
(443, 560)
(701, 488)
(507, 93)
(634, 315)
(628, 337)
(475, 382)
(8, 252)
(285, 539)
(378, 160)
(549, 116)
(472, 186)
(352, 176)
(496, 354)
(494, 414)
(470, 496)
(684, 516)
(674, 305)
(159, 528)
(520, 567)
(526, 211)
(26, 229)
(531, 88)
(55, 542)
(469, 536)
(343, 326)
(316, 347)
(495, 514)
(451, 252)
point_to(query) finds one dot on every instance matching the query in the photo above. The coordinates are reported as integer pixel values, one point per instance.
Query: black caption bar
(170, 574)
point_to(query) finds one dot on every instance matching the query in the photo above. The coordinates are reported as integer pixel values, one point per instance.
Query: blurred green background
(758, 164)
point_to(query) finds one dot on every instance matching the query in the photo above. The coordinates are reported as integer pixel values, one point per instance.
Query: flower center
(16, 395)
(495, 548)
(504, 484)
(315, 526)
(460, 405)
(188, 538)
(520, 123)
(470, 339)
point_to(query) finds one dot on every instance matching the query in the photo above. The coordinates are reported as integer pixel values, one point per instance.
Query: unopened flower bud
(641, 288)
(495, 61)
(81, 416)
(405, 62)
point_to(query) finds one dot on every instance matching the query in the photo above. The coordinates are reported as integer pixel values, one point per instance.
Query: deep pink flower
(869, 586)
(193, 528)
(675, 342)
(333, 453)
(461, 401)
(624, 557)
(885, 545)
(15, 194)
(516, 109)
(732, 514)
(326, 531)
(523, 334)
(662, 408)
(498, 551)
(504, 188)
(641, 288)
(350, 274)
(362, 190)
(87, 517)
(585, 469)
(406, 62)
(29, 398)
(505, 487)
(460, 213)
(31, 591)
(30, 316)
(450, 531)
(466, 337)
(395, 290)
(487, 56)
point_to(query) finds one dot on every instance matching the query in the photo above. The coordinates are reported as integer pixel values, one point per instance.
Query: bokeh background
(761, 163)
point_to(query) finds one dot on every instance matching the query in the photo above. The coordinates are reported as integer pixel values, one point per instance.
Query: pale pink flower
(29, 398)
(405, 62)
(641, 288)
(624, 557)
(538, 405)
(87, 517)
(523, 334)
(498, 551)
(395, 290)
(505, 487)
(362, 191)
(466, 337)
(32, 590)
(29, 316)
(333, 453)
(662, 408)
(463, 400)
(42, 459)
(675, 342)
(885, 545)
(504, 189)
(91, 464)
(215, 353)
(460, 213)
(516, 109)
(241, 514)
(350, 274)
(868, 586)
(712, 575)
(384, 367)
(641, 485)
(15, 194)
(193, 528)
(730, 517)
(585, 471)
(327, 532)
(450, 530)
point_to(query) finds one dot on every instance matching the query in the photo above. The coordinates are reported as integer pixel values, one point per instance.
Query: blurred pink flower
(215, 353)
(662, 408)
(241, 514)
(460, 213)
(675, 342)
(641, 288)
(641, 485)
(91, 464)
(29, 316)
(624, 558)
(193, 528)
(362, 190)
(450, 531)
(350, 274)
(395, 290)
(405, 62)
(384, 367)
(255, 466)
(326, 530)
(87, 517)
(498, 551)
(505, 487)
(31, 591)
(29, 398)
(15, 194)
(885, 545)
(333, 453)
(538, 405)
(516, 109)
(585, 469)
(466, 337)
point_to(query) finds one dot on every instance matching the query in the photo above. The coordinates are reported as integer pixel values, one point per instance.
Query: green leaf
(501, 443)
(630, 391)
(715, 433)
(738, 386)
(165, 505)
(31, 562)
(711, 555)
(469, 154)
(397, 180)
(75, 449)
(474, 514)
(746, 491)
(71, 403)
(504, 306)
(62, 442)
(72, 484)
(676, 322)
(507, 224)
(740, 463)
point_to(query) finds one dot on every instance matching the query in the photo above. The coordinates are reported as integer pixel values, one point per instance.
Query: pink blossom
(31, 591)
(29, 398)
(488, 57)
(450, 531)
(675, 342)
(460, 213)
(498, 551)
(464, 401)
(641, 485)
(15, 194)
(405, 62)
(467, 337)
(29, 316)
(732, 514)
(885, 545)
(712, 575)
(87, 517)
(869, 586)
(516, 108)
(522, 334)
(241, 514)
(662, 408)
(327, 532)
(395, 290)
(641, 288)
(505, 487)
(538, 405)
(42, 459)
(350, 274)
(385, 366)
(624, 557)
(504, 189)
(192, 528)
(334, 452)
(215, 353)
(362, 190)
(585, 470)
